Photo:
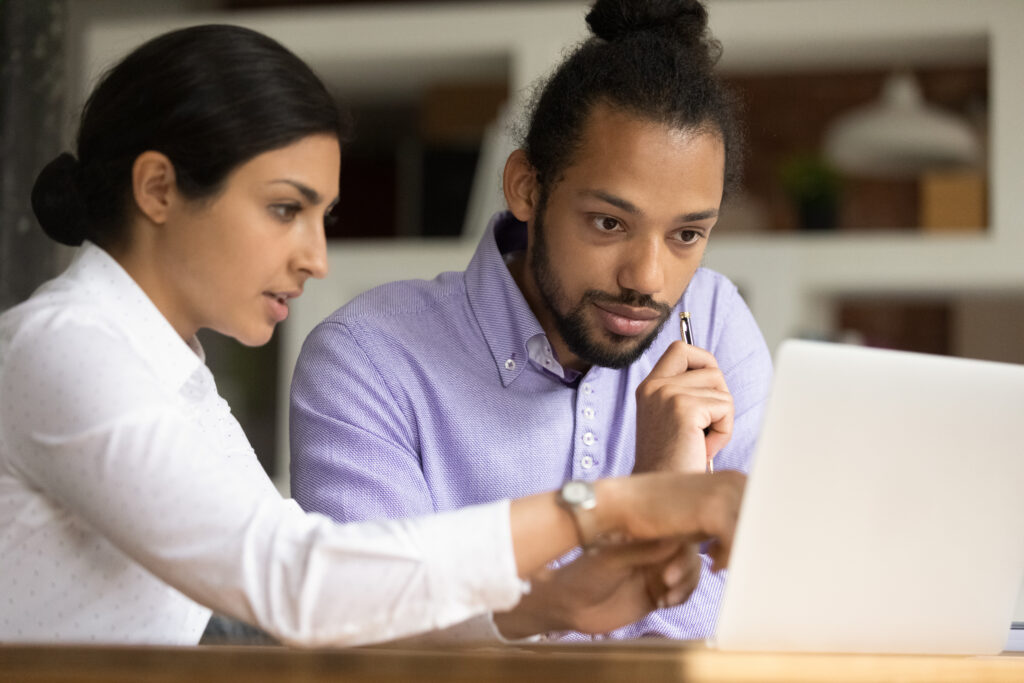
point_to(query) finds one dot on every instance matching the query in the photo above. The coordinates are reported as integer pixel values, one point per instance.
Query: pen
(686, 330)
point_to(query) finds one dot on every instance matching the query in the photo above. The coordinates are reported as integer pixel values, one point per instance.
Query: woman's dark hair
(208, 97)
(651, 58)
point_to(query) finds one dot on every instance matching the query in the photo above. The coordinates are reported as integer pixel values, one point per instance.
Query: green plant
(809, 178)
(813, 186)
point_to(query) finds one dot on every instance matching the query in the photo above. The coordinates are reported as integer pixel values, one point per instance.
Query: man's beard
(619, 351)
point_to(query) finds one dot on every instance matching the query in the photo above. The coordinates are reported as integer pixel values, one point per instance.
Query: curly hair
(650, 58)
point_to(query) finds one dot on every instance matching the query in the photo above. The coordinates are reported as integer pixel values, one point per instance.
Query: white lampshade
(901, 135)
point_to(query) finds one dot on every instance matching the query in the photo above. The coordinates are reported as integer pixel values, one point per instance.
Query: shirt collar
(541, 355)
(500, 309)
(96, 275)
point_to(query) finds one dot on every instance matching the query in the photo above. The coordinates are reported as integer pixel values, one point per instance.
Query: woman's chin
(255, 337)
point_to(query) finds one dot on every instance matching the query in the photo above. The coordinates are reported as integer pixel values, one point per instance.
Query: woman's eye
(285, 212)
(331, 219)
(607, 223)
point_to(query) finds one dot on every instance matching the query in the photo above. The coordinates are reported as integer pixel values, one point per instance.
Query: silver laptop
(885, 507)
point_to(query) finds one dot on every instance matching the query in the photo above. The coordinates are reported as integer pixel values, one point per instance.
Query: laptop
(884, 511)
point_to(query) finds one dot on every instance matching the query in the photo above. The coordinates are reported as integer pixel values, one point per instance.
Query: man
(557, 355)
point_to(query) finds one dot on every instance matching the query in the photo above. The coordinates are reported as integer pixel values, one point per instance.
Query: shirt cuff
(472, 561)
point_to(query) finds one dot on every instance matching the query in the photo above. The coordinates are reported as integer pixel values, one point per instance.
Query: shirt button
(510, 364)
(588, 413)
(586, 462)
(589, 439)
(587, 389)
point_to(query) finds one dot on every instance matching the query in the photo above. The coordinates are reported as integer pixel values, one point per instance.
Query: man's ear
(153, 185)
(520, 184)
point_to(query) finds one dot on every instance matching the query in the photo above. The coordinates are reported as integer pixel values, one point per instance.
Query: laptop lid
(885, 506)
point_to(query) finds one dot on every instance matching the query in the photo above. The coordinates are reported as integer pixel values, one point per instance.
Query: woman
(130, 501)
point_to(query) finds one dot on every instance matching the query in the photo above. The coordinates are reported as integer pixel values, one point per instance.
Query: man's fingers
(697, 378)
(719, 432)
(680, 357)
(684, 402)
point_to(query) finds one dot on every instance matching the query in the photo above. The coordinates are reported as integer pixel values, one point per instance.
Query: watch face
(575, 492)
(579, 494)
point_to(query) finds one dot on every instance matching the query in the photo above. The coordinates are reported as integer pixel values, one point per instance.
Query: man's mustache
(628, 298)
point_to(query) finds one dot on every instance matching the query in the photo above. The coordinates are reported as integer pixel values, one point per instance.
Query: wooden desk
(557, 664)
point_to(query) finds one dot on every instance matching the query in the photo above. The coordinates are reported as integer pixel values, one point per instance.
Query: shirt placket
(588, 455)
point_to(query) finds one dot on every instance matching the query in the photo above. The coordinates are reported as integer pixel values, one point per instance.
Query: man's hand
(605, 588)
(684, 412)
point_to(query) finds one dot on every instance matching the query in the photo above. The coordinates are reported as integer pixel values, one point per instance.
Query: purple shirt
(423, 396)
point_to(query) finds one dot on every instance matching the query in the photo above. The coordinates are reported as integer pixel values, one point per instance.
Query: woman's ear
(520, 185)
(153, 185)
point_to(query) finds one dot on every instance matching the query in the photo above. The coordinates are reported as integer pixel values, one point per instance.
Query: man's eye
(285, 212)
(606, 223)
(689, 236)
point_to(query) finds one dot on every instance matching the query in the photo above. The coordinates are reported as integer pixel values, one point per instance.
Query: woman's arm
(640, 507)
(169, 480)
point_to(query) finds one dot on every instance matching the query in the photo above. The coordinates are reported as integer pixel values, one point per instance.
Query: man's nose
(641, 269)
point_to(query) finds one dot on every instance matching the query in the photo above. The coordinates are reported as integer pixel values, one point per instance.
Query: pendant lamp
(900, 135)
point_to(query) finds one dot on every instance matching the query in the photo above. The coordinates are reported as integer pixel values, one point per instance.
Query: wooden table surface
(556, 663)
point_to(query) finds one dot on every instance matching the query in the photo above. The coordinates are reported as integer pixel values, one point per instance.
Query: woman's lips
(278, 305)
(627, 321)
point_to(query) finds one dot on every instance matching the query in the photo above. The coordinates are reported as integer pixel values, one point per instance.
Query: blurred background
(882, 202)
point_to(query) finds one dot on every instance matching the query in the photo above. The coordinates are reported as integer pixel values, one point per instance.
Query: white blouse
(131, 501)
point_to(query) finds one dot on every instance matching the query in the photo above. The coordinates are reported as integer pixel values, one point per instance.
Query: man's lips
(627, 321)
(631, 312)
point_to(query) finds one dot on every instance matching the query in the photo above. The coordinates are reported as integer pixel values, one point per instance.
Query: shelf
(788, 278)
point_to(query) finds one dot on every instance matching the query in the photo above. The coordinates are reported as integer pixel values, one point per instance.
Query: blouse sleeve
(89, 425)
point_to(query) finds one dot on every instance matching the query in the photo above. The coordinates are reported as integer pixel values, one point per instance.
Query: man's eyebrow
(699, 215)
(311, 195)
(631, 208)
(621, 203)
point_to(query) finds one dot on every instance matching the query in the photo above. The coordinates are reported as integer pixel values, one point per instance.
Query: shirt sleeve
(125, 458)
(354, 453)
(745, 361)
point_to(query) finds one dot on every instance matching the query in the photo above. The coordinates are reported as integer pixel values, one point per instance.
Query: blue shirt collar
(501, 310)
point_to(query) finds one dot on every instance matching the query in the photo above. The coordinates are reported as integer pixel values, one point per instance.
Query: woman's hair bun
(685, 20)
(57, 201)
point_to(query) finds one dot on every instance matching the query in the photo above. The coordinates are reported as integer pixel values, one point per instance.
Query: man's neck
(517, 266)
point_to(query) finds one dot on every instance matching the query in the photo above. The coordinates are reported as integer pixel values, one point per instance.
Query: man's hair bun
(685, 20)
(57, 201)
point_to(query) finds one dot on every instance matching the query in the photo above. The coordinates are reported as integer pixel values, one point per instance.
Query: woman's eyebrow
(311, 195)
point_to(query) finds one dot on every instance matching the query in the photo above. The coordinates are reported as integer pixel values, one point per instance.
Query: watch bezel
(579, 493)
(580, 499)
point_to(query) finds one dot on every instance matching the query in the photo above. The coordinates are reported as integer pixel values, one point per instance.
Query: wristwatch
(578, 497)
